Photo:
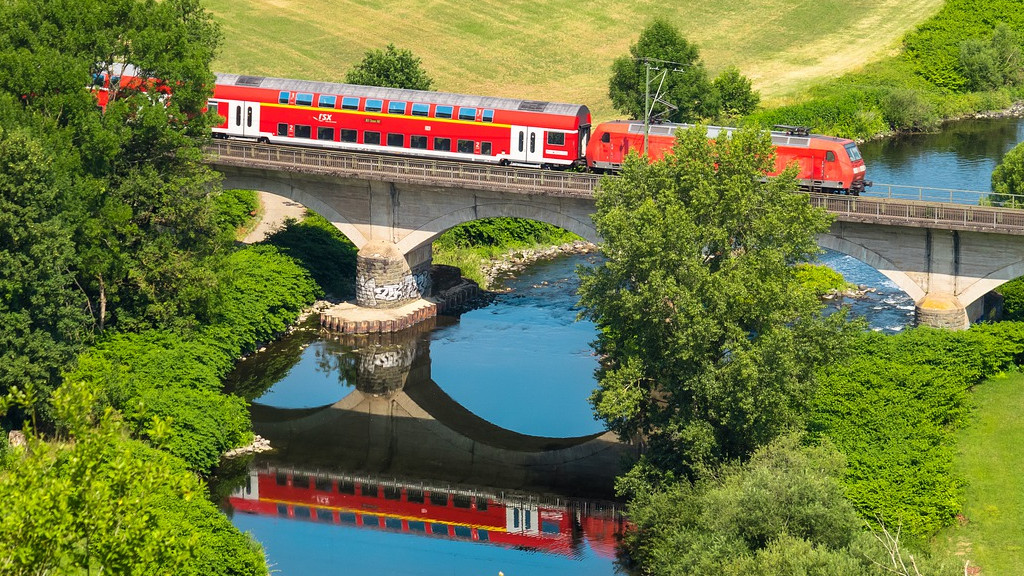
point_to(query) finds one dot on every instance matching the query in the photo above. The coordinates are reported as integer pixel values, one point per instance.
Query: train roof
(424, 96)
(796, 140)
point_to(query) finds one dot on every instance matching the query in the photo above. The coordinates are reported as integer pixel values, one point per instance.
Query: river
(468, 445)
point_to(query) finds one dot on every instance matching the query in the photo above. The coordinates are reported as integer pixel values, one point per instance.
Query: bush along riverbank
(966, 60)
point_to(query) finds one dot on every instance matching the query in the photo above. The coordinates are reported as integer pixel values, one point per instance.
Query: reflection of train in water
(557, 528)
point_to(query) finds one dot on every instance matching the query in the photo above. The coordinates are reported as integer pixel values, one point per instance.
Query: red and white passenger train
(484, 129)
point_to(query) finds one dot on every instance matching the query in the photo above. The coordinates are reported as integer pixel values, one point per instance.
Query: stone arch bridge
(946, 256)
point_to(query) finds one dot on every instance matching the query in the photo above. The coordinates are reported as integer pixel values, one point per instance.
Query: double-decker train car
(824, 163)
(409, 122)
(455, 514)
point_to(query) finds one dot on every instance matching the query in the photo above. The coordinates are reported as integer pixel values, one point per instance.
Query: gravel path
(275, 210)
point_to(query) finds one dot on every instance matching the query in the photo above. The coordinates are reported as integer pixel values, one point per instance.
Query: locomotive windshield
(851, 148)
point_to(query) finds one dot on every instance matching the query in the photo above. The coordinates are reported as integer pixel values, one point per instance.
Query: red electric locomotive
(825, 163)
(408, 122)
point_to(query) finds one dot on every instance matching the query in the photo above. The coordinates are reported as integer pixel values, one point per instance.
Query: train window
(350, 103)
(556, 139)
(323, 484)
(282, 129)
(533, 142)
(481, 503)
(438, 499)
(830, 156)
(396, 139)
(482, 535)
(851, 148)
(282, 98)
(515, 517)
(302, 512)
(370, 520)
(443, 112)
(526, 519)
(303, 131)
(465, 146)
(371, 137)
(485, 148)
(548, 527)
(467, 113)
(374, 105)
(520, 141)
(97, 79)
(414, 495)
(304, 99)
(370, 489)
(488, 116)
(324, 515)
(463, 532)
(282, 509)
(396, 107)
(327, 101)
(606, 137)
(248, 116)
(419, 142)
(115, 81)
(439, 529)
(324, 133)
(393, 523)
(281, 478)
(421, 109)
(417, 526)
(444, 144)
(347, 517)
(348, 135)
(461, 501)
(300, 481)
(392, 493)
(238, 115)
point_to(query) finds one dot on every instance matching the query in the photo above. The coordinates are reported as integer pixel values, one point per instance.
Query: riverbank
(516, 260)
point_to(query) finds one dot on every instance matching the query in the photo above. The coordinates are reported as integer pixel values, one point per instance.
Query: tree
(735, 93)
(392, 68)
(1008, 180)
(707, 338)
(994, 63)
(685, 85)
(141, 210)
(43, 321)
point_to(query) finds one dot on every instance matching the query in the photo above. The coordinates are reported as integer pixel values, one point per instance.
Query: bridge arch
(991, 282)
(429, 231)
(875, 260)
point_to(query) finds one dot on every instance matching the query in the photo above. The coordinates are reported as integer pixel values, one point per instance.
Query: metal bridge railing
(884, 203)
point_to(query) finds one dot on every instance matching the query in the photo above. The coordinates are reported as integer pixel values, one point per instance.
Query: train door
(527, 145)
(243, 119)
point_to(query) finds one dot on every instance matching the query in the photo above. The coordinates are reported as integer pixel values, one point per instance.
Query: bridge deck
(883, 211)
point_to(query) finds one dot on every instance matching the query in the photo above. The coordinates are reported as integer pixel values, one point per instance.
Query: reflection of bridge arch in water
(399, 422)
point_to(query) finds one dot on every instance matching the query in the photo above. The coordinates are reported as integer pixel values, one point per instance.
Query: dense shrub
(235, 208)
(820, 278)
(892, 408)
(1013, 299)
(504, 232)
(323, 250)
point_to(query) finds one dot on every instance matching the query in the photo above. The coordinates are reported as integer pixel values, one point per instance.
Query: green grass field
(991, 458)
(560, 50)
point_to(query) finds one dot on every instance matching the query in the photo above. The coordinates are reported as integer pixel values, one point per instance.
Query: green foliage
(708, 341)
(1013, 299)
(909, 110)
(735, 93)
(322, 250)
(503, 233)
(820, 279)
(391, 67)
(43, 322)
(892, 408)
(235, 208)
(1008, 180)
(687, 89)
(781, 513)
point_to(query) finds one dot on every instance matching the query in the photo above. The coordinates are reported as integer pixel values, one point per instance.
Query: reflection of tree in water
(253, 376)
(969, 140)
(335, 356)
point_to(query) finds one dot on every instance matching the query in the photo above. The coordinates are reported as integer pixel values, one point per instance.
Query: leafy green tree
(685, 86)
(43, 320)
(1008, 180)
(735, 93)
(141, 209)
(392, 68)
(707, 338)
(992, 63)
